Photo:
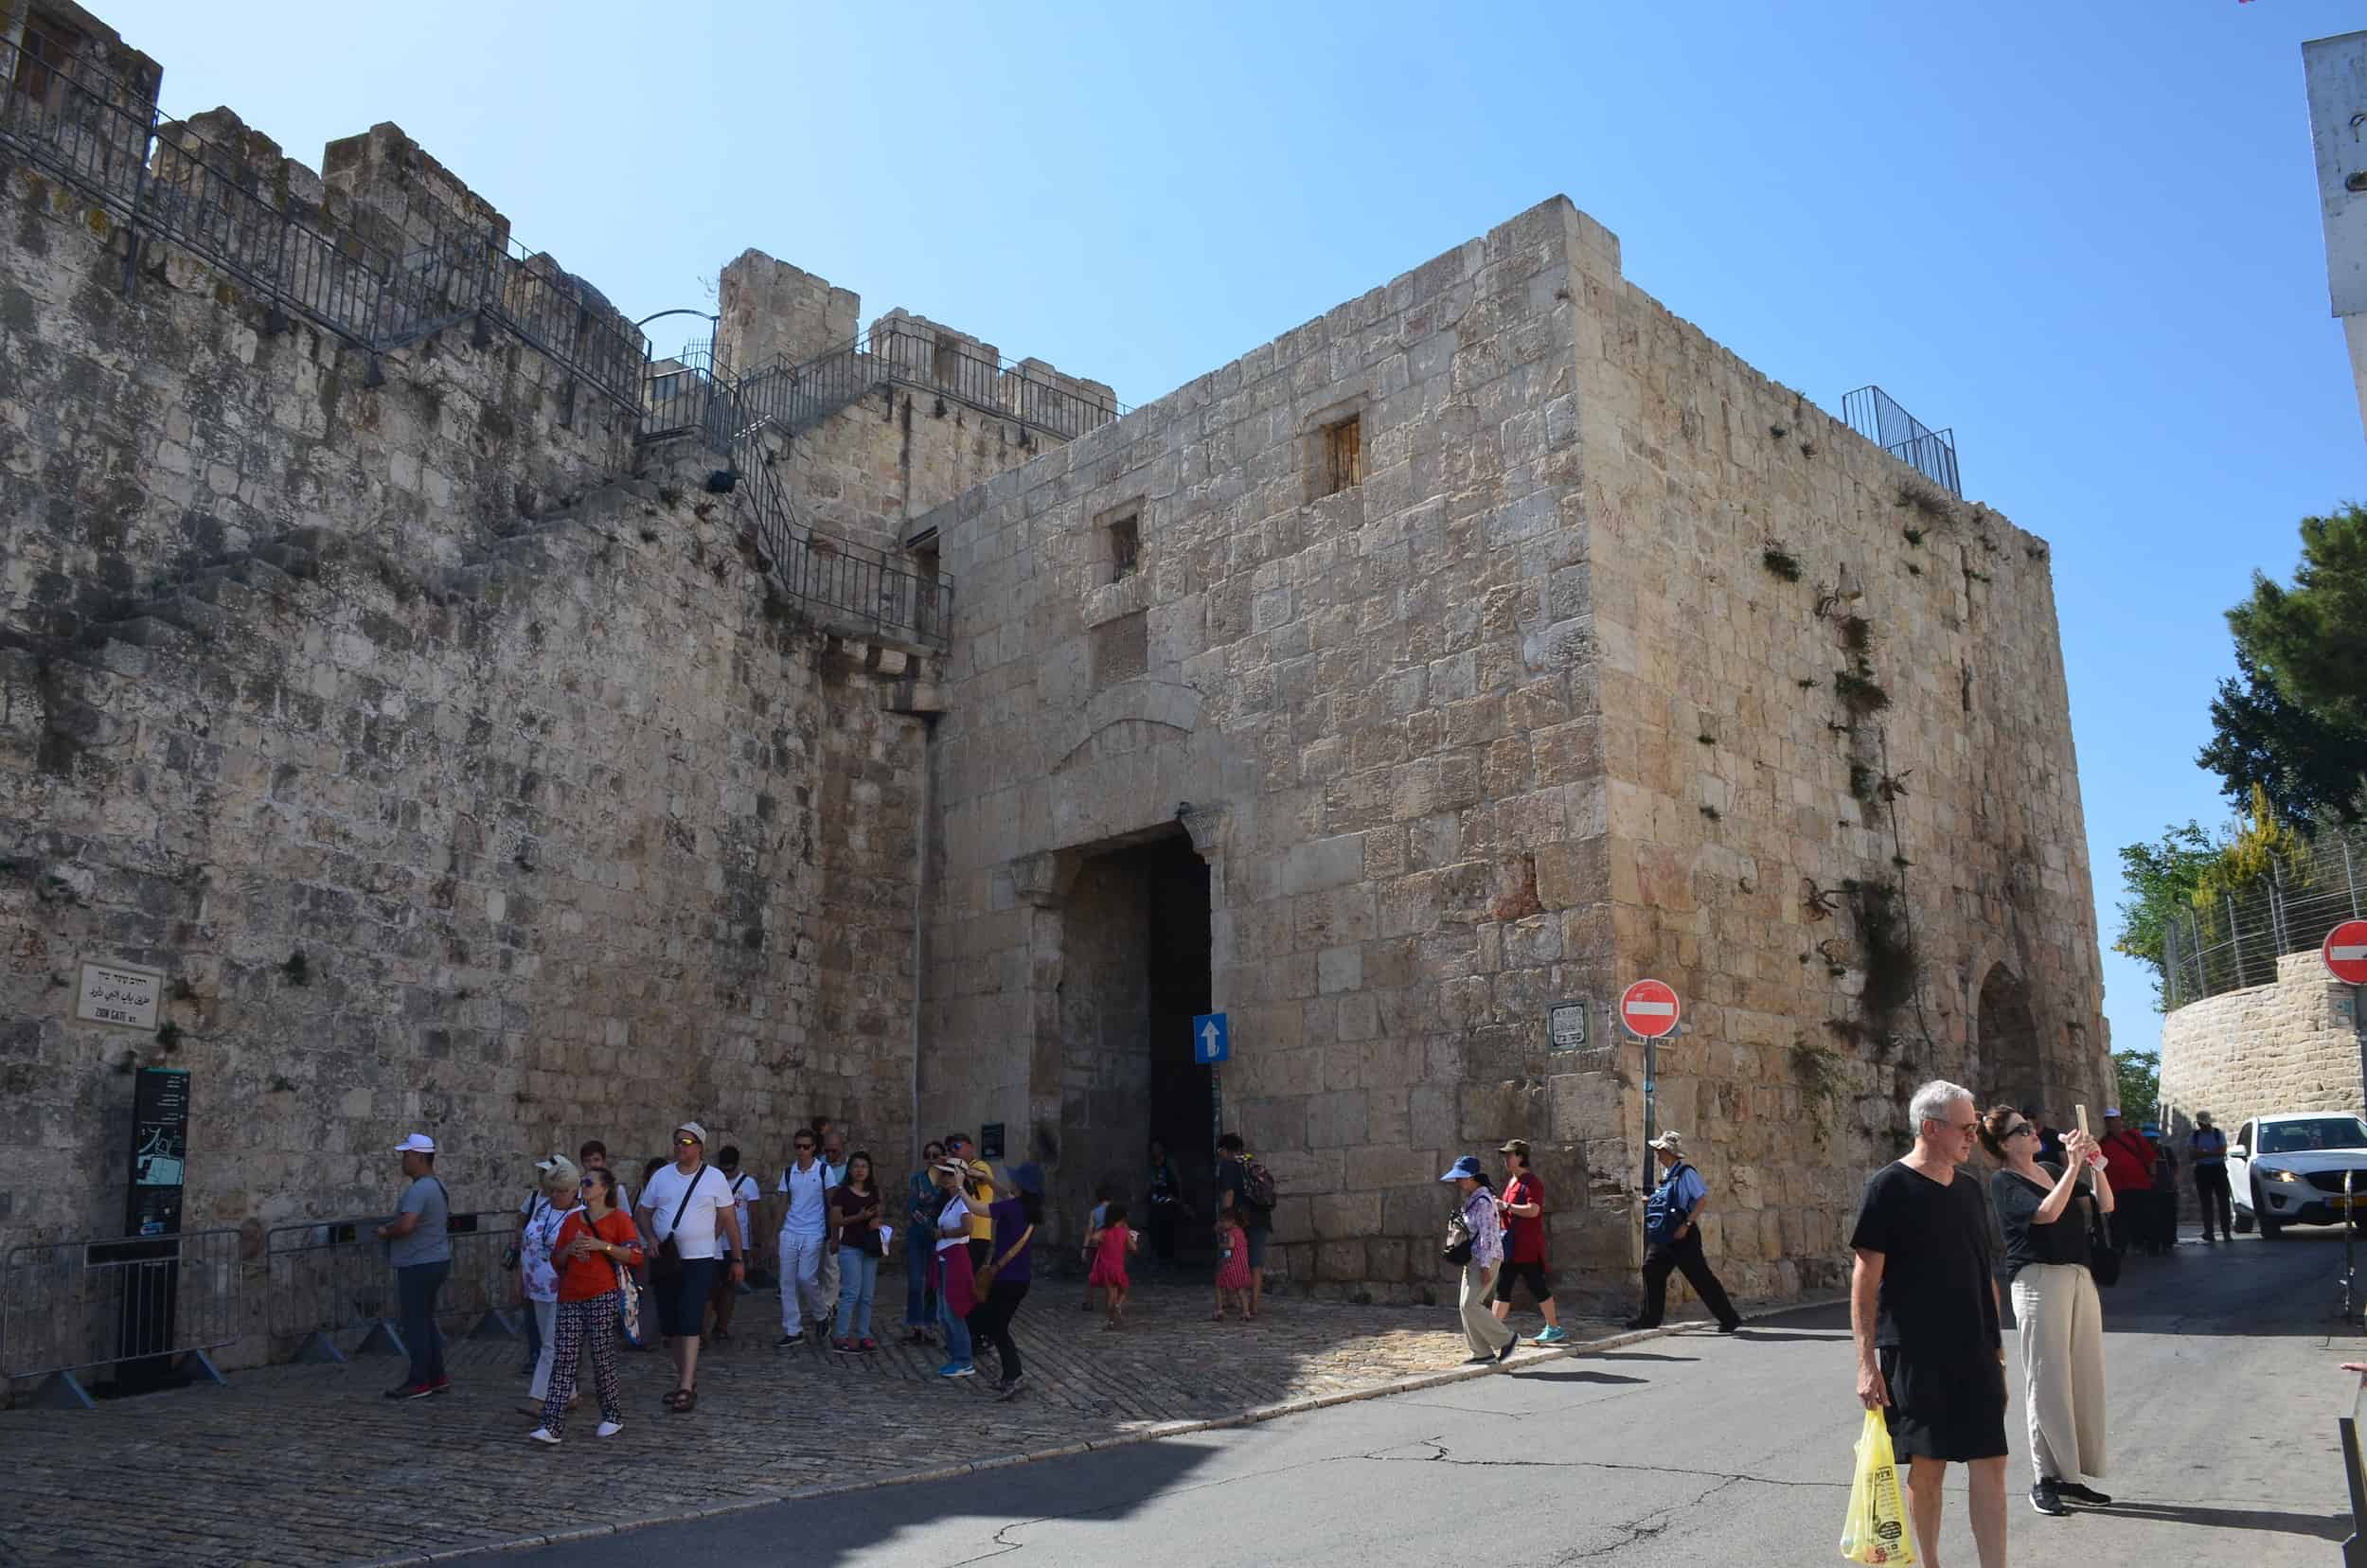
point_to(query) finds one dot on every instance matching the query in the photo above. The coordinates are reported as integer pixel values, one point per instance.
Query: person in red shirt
(2128, 1166)
(1523, 1209)
(596, 1244)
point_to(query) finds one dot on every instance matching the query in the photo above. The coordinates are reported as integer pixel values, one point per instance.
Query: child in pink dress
(1232, 1265)
(1108, 1246)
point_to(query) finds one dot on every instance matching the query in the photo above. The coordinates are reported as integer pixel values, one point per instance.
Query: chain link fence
(2234, 941)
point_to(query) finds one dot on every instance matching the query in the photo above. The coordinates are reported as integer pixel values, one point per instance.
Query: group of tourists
(604, 1269)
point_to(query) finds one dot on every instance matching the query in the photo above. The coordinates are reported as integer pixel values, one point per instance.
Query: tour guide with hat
(690, 1213)
(418, 1248)
(1491, 1341)
(1672, 1239)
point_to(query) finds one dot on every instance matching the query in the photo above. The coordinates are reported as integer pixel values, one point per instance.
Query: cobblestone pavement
(309, 1465)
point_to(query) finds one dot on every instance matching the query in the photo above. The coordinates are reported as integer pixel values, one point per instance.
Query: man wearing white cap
(419, 1247)
(690, 1213)
(1672, 1239)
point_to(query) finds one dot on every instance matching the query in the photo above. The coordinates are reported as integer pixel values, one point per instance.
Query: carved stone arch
(2011, 1057)
(1130, 712)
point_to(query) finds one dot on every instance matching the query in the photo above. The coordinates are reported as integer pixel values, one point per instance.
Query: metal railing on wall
(161, 176)
(1877, 416)
(2236, 942)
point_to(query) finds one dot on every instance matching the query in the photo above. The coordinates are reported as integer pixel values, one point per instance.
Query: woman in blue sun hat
(1478, 1224)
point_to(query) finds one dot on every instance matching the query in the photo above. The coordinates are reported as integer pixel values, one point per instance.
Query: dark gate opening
(1181, 1113)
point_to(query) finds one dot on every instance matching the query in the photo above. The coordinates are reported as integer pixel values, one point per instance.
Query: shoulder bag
(511, 1256)
(667, 1264)
(983, 1281)
(1459, 1241)
(628, 1291)
(2103, 1262)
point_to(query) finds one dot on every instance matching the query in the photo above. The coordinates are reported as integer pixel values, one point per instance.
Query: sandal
(679, 1400)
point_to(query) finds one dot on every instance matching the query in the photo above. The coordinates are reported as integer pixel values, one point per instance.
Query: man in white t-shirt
(689, 1204)
(805, 1182)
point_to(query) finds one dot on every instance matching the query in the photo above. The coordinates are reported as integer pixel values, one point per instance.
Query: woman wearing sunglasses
(594, 1243)
(2047, 1215)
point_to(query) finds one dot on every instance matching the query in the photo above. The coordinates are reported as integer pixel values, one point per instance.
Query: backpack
(1257, 1185)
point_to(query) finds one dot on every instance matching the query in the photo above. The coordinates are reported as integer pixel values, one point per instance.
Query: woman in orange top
(594, 1246)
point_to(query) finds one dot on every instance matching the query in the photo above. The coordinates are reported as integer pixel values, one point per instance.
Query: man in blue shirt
(1672, 1239)
(2206, 1151)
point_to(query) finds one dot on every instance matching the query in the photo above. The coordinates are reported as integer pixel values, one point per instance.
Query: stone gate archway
(2011, 1066)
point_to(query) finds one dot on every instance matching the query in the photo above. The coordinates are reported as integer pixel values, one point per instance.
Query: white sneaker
(608, 1429)
(544, 1434)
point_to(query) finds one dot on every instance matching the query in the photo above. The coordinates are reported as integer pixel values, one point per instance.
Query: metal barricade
(332, 1291)
(149, 1306)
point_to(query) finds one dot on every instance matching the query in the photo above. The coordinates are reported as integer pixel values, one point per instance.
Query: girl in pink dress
(1232, 1265)
(1108, 1246)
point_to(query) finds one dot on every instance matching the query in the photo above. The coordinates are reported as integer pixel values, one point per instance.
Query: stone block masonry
(1503, 640)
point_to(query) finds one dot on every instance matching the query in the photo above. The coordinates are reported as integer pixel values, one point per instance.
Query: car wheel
(2243, 1225)
(2270, 1229)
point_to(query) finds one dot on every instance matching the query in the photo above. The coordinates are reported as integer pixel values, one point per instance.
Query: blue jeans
(921, 1297)
(416, 1286)
(857, 1281)
(956, 1333)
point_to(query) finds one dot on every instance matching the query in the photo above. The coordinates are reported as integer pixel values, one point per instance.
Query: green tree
(2136, 1077)
(2294, 722)
(2160, 880)
(2309, 765)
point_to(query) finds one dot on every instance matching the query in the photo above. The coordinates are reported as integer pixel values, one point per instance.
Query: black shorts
(1540, 1281)
(682, 1302)
(1950, 1406)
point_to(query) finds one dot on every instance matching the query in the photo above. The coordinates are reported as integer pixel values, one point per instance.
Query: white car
(2288, 1169)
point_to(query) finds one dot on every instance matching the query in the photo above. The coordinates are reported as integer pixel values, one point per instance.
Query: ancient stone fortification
(2291, 1047)
(1496, 639)
(456, 755)
(468, 759)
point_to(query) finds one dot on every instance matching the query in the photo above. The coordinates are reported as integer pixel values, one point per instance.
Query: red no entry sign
(2345, 952)
(1648, 1008)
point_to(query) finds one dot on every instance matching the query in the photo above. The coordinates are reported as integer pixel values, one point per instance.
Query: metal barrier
(150, 1307)
(2234, 941)
(1875, 414)
(329, 1279)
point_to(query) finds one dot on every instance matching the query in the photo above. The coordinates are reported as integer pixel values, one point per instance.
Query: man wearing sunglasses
(690, 1205)
(805, 1182)
(1924, 1309)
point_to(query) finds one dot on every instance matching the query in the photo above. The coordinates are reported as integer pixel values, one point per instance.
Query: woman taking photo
(954, 1268)
(855, 1241)
(595, 1242)
(2047, 1214)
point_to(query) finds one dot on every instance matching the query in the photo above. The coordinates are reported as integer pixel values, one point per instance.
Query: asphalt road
(1686, 1450)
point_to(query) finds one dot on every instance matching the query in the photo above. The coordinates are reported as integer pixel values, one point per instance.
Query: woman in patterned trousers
(594, 1247)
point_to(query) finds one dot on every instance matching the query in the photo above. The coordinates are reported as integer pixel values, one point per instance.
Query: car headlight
(2281, 1176)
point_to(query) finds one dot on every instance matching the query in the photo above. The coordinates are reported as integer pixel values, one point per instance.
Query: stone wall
(456, 779)
(2291, 1047)
(1514, 715)
(1896, 719)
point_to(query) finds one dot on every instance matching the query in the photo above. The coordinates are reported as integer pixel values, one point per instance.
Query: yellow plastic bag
(1876, 1530)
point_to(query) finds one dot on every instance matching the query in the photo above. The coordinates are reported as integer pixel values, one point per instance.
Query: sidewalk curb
(1256, 1415)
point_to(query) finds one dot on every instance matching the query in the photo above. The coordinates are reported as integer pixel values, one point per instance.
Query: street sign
(1565, 1025)
(1648, 1008)
(1212, 1039)
(2345, 953)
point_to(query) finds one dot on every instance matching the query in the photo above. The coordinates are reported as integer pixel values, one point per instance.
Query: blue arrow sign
(1212, 1039)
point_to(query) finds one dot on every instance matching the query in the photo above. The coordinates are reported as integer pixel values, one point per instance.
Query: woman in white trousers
(2048, 1216)
(537, 1274)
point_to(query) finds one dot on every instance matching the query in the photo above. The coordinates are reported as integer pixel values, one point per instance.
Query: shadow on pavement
(2324, 1526)
(1572, 1373)
(1106, 1486)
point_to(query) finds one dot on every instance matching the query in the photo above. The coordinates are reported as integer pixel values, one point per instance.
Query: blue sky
(2084, 235)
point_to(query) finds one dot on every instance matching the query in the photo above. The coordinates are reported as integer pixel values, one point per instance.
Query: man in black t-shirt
(1923, 1306)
